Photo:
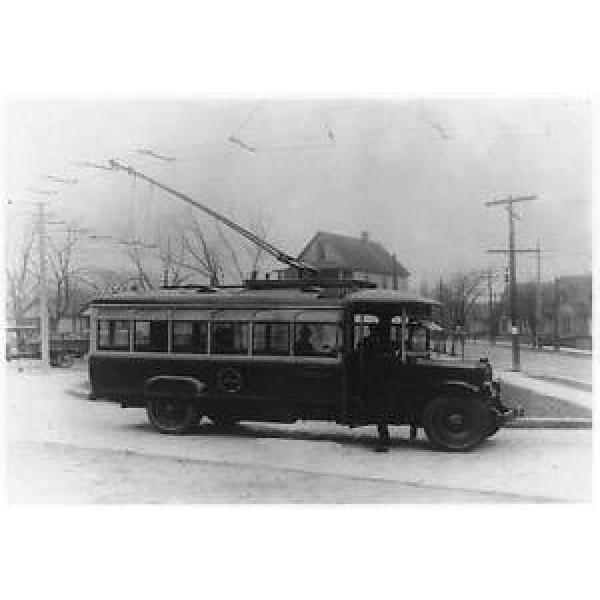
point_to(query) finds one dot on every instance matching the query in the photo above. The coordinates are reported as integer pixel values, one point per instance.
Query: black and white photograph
(300, 300)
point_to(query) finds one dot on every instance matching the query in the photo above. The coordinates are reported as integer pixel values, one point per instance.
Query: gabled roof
(355, 253)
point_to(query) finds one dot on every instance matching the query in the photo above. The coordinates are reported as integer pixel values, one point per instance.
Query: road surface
(570, 366)
(64, 448)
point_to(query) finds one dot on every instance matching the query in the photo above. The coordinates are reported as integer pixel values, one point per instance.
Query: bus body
(282, 355)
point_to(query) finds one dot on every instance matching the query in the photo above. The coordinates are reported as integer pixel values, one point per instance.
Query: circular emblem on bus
(229, 380)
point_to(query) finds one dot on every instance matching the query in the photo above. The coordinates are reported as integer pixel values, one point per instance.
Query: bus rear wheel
(455, 423)
(172, 416)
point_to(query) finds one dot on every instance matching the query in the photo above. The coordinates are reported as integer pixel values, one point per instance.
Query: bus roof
(380, 296)
(219, 298)
(272, 298)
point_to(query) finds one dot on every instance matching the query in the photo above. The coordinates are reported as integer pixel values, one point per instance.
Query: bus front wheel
(172, 416)
(455, 423)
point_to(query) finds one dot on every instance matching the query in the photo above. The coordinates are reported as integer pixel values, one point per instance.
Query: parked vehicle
(282, 354)
(27, 344)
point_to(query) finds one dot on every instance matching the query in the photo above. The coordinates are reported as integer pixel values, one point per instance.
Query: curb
(550, 423)
(584, 386)
(545, 350)
(567, 382)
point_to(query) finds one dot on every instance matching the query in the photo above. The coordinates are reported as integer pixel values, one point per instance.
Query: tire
(455, 423)
(493, 426)
(492, 431)
(172, 416)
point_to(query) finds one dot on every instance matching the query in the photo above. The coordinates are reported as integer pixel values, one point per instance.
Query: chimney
(364, 236)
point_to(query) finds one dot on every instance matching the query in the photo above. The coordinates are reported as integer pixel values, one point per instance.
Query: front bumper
(503, 414)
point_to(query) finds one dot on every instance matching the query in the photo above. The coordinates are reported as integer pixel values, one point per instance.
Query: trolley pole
(508, 202)
(43, 288)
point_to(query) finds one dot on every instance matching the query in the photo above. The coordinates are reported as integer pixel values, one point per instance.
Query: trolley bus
(283, 351)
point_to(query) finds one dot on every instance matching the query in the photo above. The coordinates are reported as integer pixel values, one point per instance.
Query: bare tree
(460, 293)
(22, 278)
(206, 257)
(170, 259)
(171, 254)
(143, 276)
(245, 258)
(193, 247)
(62, 257)
(260, 225)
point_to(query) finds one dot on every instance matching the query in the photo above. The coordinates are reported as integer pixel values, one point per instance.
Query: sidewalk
(529, 348)
(547, 403)
(560, 380)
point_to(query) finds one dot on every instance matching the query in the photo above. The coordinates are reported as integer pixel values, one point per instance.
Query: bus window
(396, 333)
(190, 337)
(316, 339)
(271, 338)
(363, 327)
(418, 339)
(113, 335)
(150, 336)
(229, 337)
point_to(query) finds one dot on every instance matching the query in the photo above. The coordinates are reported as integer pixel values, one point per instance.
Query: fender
(457, 385)
(174, 386)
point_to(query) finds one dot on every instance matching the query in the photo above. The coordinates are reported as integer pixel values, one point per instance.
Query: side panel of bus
(298, 388)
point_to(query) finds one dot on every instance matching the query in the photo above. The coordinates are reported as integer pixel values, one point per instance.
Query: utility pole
(556, 314)
(538, 296)
(43, 288)
(508, 202)
(491, 308)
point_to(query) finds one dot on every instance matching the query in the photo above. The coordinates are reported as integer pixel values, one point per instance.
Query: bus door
(371, 362)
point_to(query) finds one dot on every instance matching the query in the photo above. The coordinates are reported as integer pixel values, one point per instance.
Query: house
(344, 257)
(572, 314)
(566, 311)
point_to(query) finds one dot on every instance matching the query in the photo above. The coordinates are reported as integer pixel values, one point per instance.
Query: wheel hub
(456, 419)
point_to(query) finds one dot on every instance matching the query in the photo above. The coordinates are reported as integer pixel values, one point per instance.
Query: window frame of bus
(205, 334)
(139, 321)
(268, 351)
(233, 323)
(339, 341)
(365, 320)
(111, 334)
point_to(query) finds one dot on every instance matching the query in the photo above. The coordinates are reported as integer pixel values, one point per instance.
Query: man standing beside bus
(375, 347)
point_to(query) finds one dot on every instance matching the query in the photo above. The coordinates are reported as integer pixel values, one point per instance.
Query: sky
(414, 173)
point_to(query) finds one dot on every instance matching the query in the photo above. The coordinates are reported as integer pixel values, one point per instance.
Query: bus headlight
(492, 387)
